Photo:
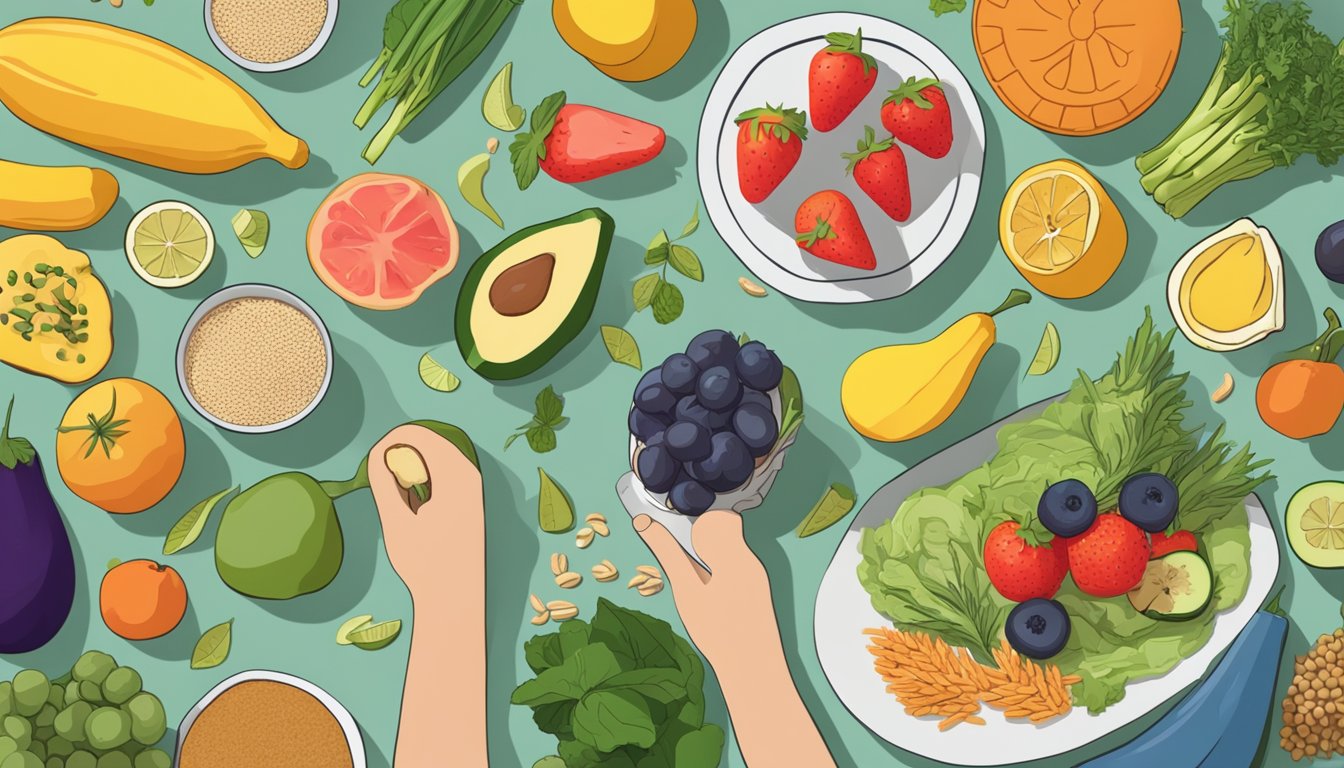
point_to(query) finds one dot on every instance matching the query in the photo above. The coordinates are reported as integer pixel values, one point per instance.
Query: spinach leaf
(701, 748)
(580, 673)
(555, 718)
(611, 719)
(543, 651)
(573, 637)
(643, 638)
(661, 685)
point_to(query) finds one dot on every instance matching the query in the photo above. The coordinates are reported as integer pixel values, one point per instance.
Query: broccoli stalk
(1276, 93)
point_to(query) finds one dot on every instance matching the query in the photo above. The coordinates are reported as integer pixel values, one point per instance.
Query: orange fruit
(1061, 230)
(142, 600)
(120, 446)
(1077, 67)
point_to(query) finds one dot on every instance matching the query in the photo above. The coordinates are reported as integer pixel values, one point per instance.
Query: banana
(54, 199)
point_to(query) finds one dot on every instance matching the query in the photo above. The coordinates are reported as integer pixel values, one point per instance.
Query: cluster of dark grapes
(705, 417)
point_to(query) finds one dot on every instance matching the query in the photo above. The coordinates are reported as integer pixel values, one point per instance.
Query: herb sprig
(654, 289)
(546, 421)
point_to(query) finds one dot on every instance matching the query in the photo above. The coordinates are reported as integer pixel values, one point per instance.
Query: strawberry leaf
(822, 232)
(529, 147)
(779, 122)
(844, 42)
(913, 89)
(867, 147)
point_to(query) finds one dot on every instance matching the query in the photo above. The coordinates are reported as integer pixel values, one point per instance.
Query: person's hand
(722, 606)
(440, 540)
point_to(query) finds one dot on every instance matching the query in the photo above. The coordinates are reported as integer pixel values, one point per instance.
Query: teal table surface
(376, 387)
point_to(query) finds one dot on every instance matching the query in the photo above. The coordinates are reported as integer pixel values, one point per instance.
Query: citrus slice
(1315, 524)
(375, 636)
(1061, 230)
(498, 106)
(1077, 68)
(358, 622)
(169, 244)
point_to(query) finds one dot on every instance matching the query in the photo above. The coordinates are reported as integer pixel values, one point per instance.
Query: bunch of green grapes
(97, 716)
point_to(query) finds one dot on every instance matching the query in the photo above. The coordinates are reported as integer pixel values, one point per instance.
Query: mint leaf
(645, 289)
(687, 263)
(939, 7)
(693, 224)
(549, 407)
(541, 439)
(667, 303)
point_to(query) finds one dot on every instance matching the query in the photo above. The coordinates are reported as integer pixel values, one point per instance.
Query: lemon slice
(1061, 230)
(169, 244)
(358, 622)
(375, 636)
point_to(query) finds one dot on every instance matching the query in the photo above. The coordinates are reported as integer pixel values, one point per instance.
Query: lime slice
(498, 107)
(359, 622)
(375, 636)
(435, 376)
(169, 244)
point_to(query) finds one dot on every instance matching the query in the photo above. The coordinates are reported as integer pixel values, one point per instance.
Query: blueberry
(1067, 508)
(657, 469)
(652, 378)
(719, 389)
(1330, 252)
(679, 374)
(644, 425)
(655, 440)
(655, 399)
(750, 395)
(733, 458)
(757, 428)
(712, 348)
(691, 498)
(759, 367)
(1149, 501)
(687, 441)
(1038, 628)
(708, 473)
(690, 409)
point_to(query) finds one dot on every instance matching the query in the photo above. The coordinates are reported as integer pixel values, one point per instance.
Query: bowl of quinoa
(270, 35)
(254, 358)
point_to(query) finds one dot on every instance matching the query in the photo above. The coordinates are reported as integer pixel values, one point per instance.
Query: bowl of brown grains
(254, 358)
(269, 718)
(270, 35)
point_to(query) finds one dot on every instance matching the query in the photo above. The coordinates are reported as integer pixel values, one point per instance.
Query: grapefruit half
(379, 240)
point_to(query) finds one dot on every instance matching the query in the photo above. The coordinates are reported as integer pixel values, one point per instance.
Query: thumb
(679, 567)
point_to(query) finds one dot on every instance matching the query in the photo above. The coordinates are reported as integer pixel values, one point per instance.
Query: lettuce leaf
(924, 570)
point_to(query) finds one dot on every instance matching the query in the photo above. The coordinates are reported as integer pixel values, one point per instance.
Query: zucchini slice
(1176, 587)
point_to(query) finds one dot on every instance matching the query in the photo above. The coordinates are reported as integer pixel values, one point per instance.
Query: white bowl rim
(353, 737)
(299, 59)
(252, 291)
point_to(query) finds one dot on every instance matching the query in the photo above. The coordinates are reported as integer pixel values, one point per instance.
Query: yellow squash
(903, 391)
(55, 316)
(54, 199)
(136, 97)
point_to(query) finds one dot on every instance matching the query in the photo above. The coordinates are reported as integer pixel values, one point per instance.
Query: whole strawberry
(879, 169)
(1023, 563)
(917, 115)
(1180, 541)
(829, 228)
(840, 77)
(573, 143)
(769, 143)
(1109, 558)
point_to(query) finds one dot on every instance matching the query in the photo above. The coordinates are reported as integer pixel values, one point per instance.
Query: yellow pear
(902, 391)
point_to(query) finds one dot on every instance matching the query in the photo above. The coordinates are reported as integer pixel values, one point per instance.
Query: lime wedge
(169, 244)
(436, 377)
(375, 636)
(498, 108)
(358, 622)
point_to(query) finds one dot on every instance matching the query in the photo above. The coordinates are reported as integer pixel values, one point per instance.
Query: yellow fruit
(1061, 230)
(606, 31)
(1226, 293)
(133, 96)
(903, 391)
(54, 199)
(672, 39)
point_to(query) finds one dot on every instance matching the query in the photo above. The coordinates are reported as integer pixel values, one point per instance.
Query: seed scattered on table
(751, 288)
(598, 522)
(268, 31)
(1224, 390)
(584, 537)
(559, 563)
(562, 610)
(650, 571)
(568, 580)
(605, 571)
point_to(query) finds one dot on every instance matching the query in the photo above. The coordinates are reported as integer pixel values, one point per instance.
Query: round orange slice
(1077, 67)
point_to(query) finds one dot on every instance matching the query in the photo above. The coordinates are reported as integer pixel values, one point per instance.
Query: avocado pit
(522, 288)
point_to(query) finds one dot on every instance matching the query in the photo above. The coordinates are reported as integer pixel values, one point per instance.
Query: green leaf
(834, 504)
(529, 148)
(657, 254)
(550, 761)
(621, 346)
(185, 531)
(791, 396)
(213, 647)
(544, 651)
(703, 746)
(667, 303)
(585, 670)
(645, 289)
(549, 407)
(253, 229)
(574, 637)
(939, 7)
(685, 261)
(693, 224)
(554, 510)
(609, 720)
(649, 641)
(1047, 353)
(541, 439)
(436, 377)
(659, 240)
(661, 685)
(14, 450)
(743, 339)
(511, 438)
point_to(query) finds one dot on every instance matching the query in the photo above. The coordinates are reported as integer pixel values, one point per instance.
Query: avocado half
(530, 295)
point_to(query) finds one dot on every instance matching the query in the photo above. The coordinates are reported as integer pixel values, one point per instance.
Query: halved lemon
(1061, 230)
(169, 244)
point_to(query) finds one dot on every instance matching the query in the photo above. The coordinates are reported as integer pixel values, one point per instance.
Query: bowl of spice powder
(263, 718)
(270, 35)
(254, 358)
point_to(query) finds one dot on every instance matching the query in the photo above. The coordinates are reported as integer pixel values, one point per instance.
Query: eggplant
(37, 565)
(1222, 722)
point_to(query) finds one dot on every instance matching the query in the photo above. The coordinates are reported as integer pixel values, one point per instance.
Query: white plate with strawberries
(786, 200)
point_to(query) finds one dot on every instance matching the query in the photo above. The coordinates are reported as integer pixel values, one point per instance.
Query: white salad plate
(844, 611)
(772, 68)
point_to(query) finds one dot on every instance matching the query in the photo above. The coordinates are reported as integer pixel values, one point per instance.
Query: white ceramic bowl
(342, 715)
(251, 291)
(303, 57)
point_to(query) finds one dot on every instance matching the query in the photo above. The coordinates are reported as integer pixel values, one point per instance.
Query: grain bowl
(270, 35)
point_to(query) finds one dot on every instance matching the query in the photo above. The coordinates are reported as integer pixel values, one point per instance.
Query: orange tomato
(1301, 398)
(120, 446)
(142, 600)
